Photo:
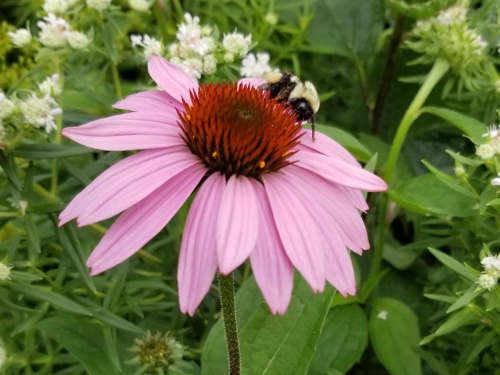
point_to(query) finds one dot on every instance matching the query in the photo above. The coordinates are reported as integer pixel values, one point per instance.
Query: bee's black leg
(313, 128)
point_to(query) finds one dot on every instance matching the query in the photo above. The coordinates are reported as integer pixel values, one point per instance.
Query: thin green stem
(226, 291)
(116, 81)
(57, 141)
(438, 70)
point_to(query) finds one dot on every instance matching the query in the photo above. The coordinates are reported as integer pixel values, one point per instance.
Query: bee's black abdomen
(302, 108)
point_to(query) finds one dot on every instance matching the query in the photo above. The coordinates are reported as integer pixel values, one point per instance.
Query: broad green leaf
(453, 264)
(271, 344)
(85, 341)
(346, 140)
(394, 335)
(426, 194)
(57, 300)
(342, 342)
(50, 151)
(471, 127)
(347, 28)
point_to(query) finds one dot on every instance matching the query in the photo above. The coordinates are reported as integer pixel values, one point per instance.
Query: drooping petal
(171, 78)
(339, 171)
(129, 131)
(356, 197)
(126, 183)
(271, 267)
(238, 224)
(252, 82)
(338, 268)
(343, 217)
(141, 222)
(198, 254)
(326, 146)
(154, 100)
(297, 230)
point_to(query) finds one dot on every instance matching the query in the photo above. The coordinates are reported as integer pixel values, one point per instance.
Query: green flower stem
(226, 291)
(57, 141)
(160, 13)
(438, 70)
(116, 80)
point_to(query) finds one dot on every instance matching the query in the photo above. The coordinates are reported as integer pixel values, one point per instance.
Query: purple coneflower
(266, 191)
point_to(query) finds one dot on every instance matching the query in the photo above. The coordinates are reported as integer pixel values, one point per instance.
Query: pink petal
(126, 183)
(339, 171)
(154, 100)
(339, 271)
(141, 222)
(238, 224)
(355, 197)
(343, 217)
(252, 82)
(198, 255)
(271, 267)
(130, 131)
(326, 146)
(171, 78)
(297, 230)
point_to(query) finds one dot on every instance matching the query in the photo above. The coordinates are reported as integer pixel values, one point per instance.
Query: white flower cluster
(4, 275)
(491, 147)
(255, 67)
(55, 33)
(452, 15)
(151, 46)
(57, 6)
(99, 5)
(489, 277)
(20, 37)
(139, 5)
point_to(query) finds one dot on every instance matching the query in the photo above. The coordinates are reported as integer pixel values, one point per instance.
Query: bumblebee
(301, 97)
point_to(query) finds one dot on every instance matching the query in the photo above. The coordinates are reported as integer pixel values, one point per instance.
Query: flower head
(4, 271)
(50, 86)
(6, 106)
(139, 5)
(487, 281)
(266, 190)
(485, 151)
(237, 44)
(55, 6)
(252, 66)
(99, 5)
(151, 45)
(20, 37)
(40, 111)
(157, 351)
(78, 40)
(53, 31)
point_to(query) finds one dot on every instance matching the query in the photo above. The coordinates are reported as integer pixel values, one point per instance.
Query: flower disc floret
(236, 130)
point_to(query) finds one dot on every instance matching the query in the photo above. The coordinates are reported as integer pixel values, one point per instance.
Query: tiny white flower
(193, 39)
(50, 86)
(139, 5)
(40, 112)
(53, 32)
(452, 15)
(383, 314)
(493, 131)
(78, 40)
(271, 18)
(209, 64)
(151, 45)
(55, 6)
(190, 30)
(491, 266)
(255, 66)
(193, 67)
(487, 281)
(228, 58)
(6, 106)
(20, 37)
(23, 205)
(496, 181)
(485, 151)
(4, 273)
(99, 5)
(459, 170)
(237, 43)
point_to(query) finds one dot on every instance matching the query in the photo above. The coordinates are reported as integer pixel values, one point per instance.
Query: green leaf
(50, 151)
(32, 232)
(342, 342)
(465, 160)
(58, 301)
(471, 127)
(85, 341)
(394, 335)
(426, 194)
(451, 181)
(271, 344)
(453, 264)
(8, 165)
(468, 296)
(347, 28)
(346, 140)
(457, 320)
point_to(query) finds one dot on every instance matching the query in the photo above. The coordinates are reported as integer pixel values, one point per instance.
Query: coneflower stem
(438, 70)
(226, 291)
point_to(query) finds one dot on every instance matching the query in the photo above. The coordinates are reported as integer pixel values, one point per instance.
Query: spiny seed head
(236, 129)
